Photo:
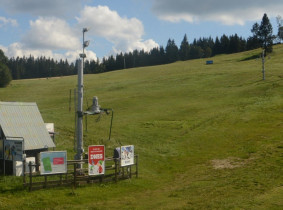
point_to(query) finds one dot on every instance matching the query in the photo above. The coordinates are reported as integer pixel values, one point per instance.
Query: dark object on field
(116, 153)
(209, 62)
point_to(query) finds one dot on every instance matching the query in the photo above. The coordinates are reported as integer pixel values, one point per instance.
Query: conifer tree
(184, 51)
(171, 51)
(265, 34)
(5, 75)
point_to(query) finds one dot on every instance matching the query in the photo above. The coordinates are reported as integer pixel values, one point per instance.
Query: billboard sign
(13, 149)
(127, 155)
(53, 162)
(96, 160)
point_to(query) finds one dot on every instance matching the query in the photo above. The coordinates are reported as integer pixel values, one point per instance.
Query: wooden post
(24, 172)
(45, 181)
(116, 170)
(75, 175)
(130, 172)
(30, 175)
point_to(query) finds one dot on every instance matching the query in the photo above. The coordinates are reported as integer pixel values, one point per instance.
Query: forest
(41, 67)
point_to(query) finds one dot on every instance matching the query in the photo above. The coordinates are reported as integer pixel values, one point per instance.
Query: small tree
(265, 34)
(5, 75)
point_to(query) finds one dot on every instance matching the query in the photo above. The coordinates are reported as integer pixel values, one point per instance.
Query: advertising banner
(127, 155)
(53, 162)
(13, 150)
(96, 160)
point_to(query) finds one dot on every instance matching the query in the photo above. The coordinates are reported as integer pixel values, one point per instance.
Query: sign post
(96, 160)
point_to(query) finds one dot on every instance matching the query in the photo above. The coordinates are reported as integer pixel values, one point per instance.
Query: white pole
(79, 135)
(80, 149)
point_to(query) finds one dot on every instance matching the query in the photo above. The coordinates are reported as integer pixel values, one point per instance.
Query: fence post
(116, 170)
(30, 175)
(123, 172)
(45, 181)
(24, 172)
(75, 174)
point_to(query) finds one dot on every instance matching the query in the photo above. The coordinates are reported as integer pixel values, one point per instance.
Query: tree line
(30, 67)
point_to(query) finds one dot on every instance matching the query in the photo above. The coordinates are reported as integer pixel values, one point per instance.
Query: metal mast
(79, 136)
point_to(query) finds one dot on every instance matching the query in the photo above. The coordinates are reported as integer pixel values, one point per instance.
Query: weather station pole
(80, 113)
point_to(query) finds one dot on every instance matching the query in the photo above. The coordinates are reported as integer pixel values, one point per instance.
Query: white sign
(13, 150)
(50, 127)
(53, 162)
(127, 155)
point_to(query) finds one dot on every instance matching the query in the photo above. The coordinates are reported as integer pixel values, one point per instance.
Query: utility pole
(80, 113)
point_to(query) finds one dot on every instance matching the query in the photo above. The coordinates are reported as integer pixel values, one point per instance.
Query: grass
(208, 136)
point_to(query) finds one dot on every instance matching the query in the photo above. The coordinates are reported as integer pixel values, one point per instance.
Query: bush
(5, 75)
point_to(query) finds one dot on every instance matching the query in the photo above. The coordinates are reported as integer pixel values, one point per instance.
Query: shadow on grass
(252, 57)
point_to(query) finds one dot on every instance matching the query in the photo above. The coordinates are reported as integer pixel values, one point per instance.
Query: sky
(53, 28)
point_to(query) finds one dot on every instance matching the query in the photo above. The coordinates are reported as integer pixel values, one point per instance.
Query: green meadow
(207, 136)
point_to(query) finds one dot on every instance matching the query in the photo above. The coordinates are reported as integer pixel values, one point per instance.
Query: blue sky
(54, 28)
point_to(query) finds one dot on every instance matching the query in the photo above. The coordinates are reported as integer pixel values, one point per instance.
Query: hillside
(208, 136)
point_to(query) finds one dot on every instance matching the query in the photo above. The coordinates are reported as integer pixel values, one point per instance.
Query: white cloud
(48, 35)
(8, 21)
(52, 34)
(74, 55)
(126, 34)
(18, 50)
(225, 11)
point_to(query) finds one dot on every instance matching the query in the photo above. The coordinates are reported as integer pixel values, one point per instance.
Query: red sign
(58, 161)
(96, 163)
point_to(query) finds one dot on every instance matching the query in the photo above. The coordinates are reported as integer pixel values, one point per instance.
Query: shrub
(5, 75)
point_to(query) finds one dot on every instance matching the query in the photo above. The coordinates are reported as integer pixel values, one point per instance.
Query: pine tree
(184, 51)
(171, 51)
(217, 47)
(265, 34)
(253, 41)
(224, 41)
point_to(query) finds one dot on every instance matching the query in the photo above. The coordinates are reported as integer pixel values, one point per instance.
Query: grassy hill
(208, 136)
